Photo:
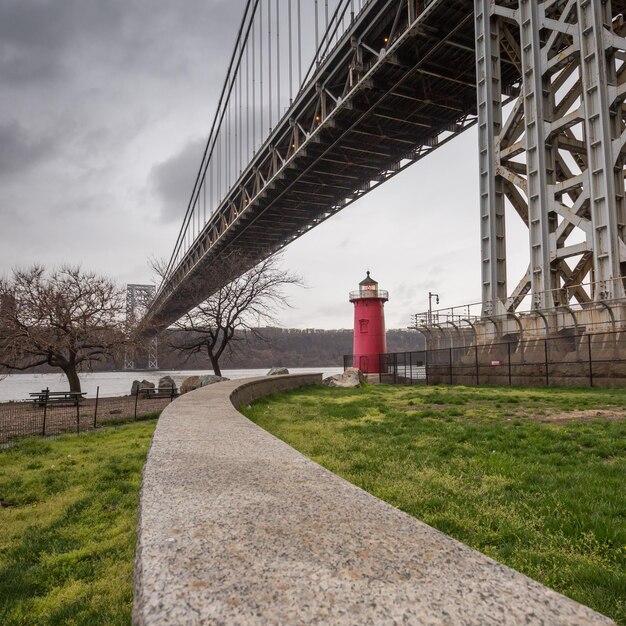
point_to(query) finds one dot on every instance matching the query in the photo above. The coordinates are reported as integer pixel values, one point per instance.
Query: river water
(18, 386)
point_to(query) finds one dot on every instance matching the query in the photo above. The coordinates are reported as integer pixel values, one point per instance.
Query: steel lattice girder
(558, 158)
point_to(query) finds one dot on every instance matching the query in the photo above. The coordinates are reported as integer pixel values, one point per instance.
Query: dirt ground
(581, 416)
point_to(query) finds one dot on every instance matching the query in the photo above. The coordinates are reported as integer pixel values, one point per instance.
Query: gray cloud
(20, 151)
(31, 35)
(98, 103)
(173, 180)
(39, 39)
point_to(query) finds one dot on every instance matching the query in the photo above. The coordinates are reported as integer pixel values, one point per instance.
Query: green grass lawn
(489, 466)
(67, 542)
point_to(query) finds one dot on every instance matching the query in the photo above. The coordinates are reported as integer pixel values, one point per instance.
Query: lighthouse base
(370, 363)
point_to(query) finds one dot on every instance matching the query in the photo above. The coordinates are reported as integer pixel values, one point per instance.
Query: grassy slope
(546, 499)
(68, 543)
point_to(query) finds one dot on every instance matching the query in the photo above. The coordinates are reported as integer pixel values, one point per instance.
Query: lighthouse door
(364, 364)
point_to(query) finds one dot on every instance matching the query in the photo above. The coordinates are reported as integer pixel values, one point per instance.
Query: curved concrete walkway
(236, 527)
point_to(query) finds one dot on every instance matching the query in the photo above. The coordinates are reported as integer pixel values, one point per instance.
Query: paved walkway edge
(237, 527)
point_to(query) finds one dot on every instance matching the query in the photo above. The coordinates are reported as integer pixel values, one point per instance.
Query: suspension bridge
(325, 101)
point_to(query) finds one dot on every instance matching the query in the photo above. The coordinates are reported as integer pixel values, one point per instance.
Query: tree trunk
(215, 364)
(72, 377)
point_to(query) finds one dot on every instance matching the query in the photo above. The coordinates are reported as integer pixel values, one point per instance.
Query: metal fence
(34, 417)
(407, 368)
(570, 360)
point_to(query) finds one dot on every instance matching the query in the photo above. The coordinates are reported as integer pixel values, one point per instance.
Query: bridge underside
(364, 117)
(544, 80)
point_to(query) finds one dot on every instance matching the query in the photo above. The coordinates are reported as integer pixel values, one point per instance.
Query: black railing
(407, 368)
(597, 359)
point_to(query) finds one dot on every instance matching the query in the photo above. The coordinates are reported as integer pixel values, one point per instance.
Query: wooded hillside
(289, 347)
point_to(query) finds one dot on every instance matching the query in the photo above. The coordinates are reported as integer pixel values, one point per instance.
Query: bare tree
(66, 319)
(235, 309)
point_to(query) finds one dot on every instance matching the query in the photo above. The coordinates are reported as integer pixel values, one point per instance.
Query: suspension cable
(249, 12)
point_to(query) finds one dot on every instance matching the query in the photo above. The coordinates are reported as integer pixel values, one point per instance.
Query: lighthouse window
(364, 324)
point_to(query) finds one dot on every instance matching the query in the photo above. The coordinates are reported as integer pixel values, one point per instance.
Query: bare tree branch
(67, 319)
(244, 304)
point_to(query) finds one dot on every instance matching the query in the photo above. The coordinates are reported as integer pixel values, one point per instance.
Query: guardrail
(374, 293)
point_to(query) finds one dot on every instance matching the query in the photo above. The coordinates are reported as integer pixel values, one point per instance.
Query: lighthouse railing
(369, 293)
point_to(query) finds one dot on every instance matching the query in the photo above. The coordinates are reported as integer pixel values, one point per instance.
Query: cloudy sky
(105, 106)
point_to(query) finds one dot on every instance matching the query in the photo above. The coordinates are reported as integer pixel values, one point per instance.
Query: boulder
(189, 384)
(195, 382)
(166, 382)
(278, 371)
(352, 377)
(143, 384)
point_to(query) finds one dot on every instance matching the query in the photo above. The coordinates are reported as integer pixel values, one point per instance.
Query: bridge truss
(390, 82)
(556, 153)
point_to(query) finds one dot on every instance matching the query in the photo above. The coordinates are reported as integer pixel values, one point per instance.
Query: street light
(430, 305)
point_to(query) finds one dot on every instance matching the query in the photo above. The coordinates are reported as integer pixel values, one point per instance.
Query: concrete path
(236, 527)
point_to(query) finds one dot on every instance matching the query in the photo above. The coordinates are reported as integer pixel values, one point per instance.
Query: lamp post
(430, 305)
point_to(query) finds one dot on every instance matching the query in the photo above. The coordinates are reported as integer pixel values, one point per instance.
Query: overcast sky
(105, 106)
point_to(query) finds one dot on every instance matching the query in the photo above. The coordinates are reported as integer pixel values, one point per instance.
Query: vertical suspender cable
(299, 46)
(253, 92)
(240, 74)
(269, 60)
(290, 53)
(261, 73)
(235, 136)
(326, 13)
(277, 62)
(237, 125)
(336, 20)
(317, 32)
(247, 101)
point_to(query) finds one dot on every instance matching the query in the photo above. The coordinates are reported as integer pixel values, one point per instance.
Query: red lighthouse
(369, 325)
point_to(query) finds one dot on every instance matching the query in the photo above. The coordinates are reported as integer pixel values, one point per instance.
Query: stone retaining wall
(236, 527)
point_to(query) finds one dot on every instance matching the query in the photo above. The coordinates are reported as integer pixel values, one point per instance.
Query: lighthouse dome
(368, 281)
(368, 288)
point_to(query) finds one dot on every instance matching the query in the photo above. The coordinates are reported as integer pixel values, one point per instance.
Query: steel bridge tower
(552, 147)
(138, 300)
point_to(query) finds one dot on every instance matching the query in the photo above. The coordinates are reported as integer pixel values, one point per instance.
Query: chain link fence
(45, 417)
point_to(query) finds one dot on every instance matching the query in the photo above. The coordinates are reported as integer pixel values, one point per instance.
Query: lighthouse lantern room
(369, 325)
